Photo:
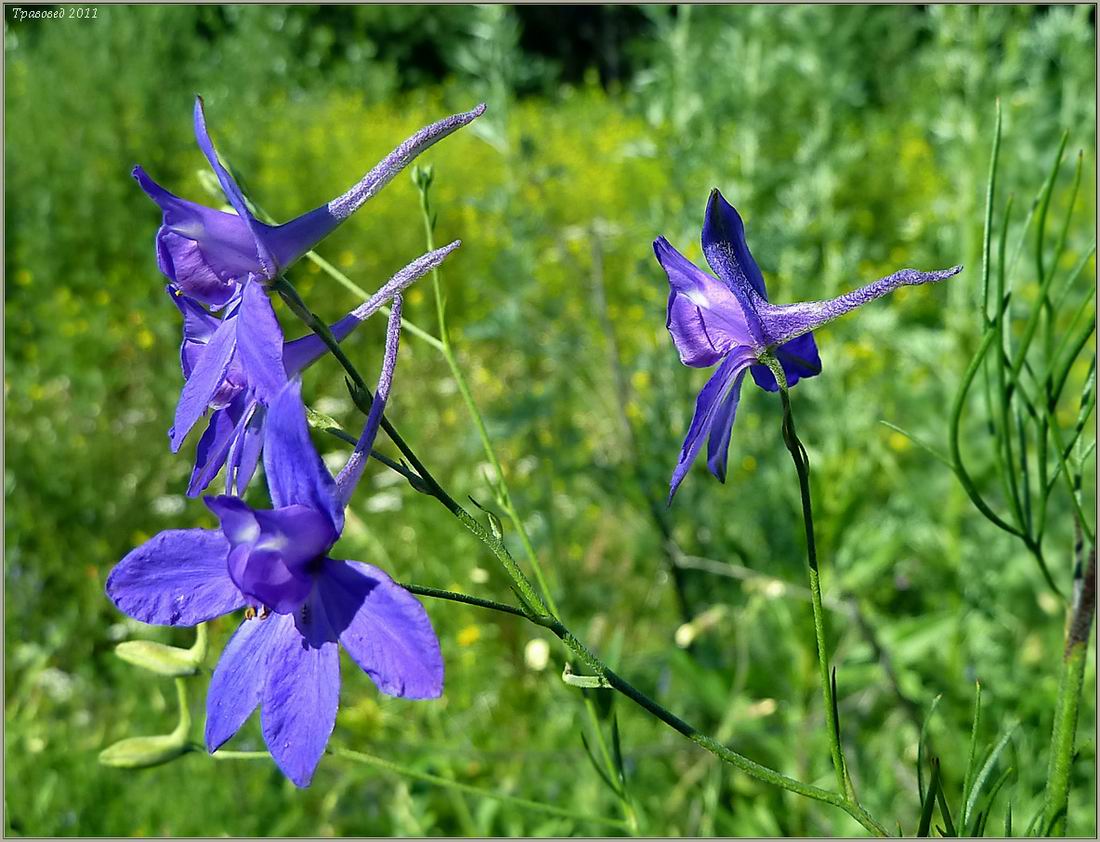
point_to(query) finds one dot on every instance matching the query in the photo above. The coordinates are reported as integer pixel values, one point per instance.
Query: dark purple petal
(239, 678)
(295, 473)
(248, 440)
(302, 692)
(344, 206)
(273, 553)
(726, 377)
(207, 376)
(232, 191)
(188, 266)
(785, 322)
(260, 343)
(727, 252)
(727, 322)
(799, 358)
(177, 578)
(213, 447)
(384, 628)
(721, 430)
(357, 462)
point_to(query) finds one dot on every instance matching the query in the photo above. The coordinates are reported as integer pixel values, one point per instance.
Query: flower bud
(142, 752)
(158, 658)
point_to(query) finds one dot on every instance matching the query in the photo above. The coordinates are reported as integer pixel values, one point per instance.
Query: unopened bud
(142, 752)
(159, 658)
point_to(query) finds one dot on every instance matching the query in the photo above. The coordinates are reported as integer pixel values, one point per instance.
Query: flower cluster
(241, 374)
(730, 319)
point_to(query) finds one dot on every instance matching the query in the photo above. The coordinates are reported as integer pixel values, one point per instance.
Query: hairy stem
(802, 467)
(1056, 802)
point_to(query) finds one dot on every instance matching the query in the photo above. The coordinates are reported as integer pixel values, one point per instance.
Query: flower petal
(260, 342)
(302, 692)
(384, 628)
(785, 322)
(384, 171)
(239, 678)
(291, 240)
(177, 578)
(799, 358)
(727, 252)
(271, 551)
(726, 377)
(248, 440)
(721, 430)
(198, 326)
(208, 374)
(202, 250)
(727, 322)
(295, 473)
(693, 341)
(213, 447)
(232, 191)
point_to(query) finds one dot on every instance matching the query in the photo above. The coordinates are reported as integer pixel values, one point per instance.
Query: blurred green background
(854, 141)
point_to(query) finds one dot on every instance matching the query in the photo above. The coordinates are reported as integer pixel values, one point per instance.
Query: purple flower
(233, 367)
(301, 604)
(207, 254)
(730, 319)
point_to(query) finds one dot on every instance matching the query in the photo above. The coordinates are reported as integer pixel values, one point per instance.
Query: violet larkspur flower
(236, 392)
(207, 254)
(730, 319)
(302, 603)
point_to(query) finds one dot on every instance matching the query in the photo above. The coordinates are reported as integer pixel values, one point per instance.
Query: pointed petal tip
(716, 199)
(478, 110)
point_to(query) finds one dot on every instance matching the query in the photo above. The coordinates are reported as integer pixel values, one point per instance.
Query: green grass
(854, 141)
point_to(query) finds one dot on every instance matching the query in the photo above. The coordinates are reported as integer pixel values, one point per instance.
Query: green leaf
(159, 658)
(495, 526)
(981, 817)
(945, 813)
(972, 756)
(928, 801)
(986, 770)
(617, 749)
(942, 457)
(922, 741)
(598, 768)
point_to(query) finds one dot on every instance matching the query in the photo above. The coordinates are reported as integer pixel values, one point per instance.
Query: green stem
(447, 349)
(1056, 801)
(802, 467)
(538, 609)
(405, 771)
